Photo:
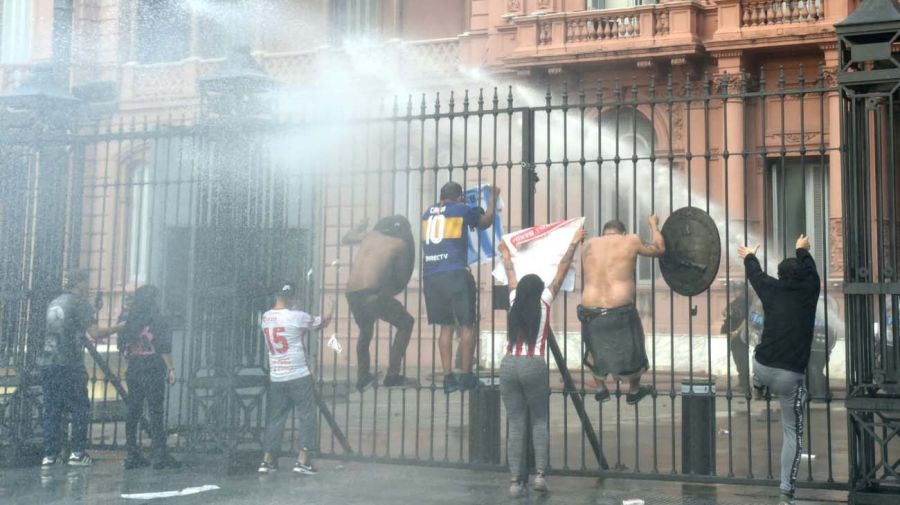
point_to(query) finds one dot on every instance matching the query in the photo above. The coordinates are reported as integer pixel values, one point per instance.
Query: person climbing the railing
(524, 381)
(382, 267)
(611, 326)
(781, 358)
(448, 285)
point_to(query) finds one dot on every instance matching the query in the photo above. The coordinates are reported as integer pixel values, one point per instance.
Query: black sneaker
(366, 381)
(633, 398)
(469, 381)
(305, 468)
(393, 381)
(166, 462)
(266, 467)
(452, 384)
(133, 461)
(80, 459)
(602, 396)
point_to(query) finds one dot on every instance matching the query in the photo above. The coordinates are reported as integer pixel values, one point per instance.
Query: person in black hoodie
(146, 344)
(781, 358)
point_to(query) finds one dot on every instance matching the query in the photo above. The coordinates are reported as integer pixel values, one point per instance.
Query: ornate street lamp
(866, 39)
(41, 102)
(239, 89)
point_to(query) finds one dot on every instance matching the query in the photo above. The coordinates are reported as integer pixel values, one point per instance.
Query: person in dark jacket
(781, 358)
(734, 326)
(146, 343)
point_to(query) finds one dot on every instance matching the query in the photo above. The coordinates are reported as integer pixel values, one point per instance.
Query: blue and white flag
(489, 239)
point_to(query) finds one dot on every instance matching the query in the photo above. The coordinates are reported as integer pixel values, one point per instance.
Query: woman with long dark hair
(524, 380)
(146, 344)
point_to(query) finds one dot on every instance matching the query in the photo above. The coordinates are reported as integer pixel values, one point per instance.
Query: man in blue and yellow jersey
(449, 288)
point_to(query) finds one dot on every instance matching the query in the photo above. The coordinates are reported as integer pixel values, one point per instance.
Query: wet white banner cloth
(539, 249)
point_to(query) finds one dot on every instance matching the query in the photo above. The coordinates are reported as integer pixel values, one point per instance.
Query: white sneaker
(517, 489)
(48, 461)
(540, 484)
(80, 459)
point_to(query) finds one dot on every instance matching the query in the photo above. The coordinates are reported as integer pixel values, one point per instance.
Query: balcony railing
(415, 62)
(781, 12)
(617, 32)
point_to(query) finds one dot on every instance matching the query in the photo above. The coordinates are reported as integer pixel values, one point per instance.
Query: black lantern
(866, 40)
(238, 89)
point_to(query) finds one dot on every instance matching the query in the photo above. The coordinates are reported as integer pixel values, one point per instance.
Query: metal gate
(870, 80)
(214, 209)
(759, 152)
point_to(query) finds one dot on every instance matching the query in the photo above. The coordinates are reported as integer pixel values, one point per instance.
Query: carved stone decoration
(678, 123)
(545, 5)
(830, 76)
(514, 6)
(836, 251)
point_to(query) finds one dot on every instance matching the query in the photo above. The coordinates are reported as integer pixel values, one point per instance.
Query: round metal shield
(693, 251)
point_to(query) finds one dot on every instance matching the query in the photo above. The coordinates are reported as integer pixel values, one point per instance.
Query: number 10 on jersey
(434, 229)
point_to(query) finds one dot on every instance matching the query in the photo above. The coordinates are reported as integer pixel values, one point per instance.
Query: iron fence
(214, 212)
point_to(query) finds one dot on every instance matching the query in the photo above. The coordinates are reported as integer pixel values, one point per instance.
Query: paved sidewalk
(354, 483)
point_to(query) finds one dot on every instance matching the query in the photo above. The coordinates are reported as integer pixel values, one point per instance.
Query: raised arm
(487, 219)
(511, 279)
(657, 245)
(566, 262)
(357, 234)
(758, 279)
(806, 259)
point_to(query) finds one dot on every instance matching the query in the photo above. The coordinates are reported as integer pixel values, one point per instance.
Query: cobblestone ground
(353, 483)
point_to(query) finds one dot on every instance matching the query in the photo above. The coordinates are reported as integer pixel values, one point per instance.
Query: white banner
(539, 249)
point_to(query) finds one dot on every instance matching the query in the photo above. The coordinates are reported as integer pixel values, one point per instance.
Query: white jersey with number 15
(284, 331)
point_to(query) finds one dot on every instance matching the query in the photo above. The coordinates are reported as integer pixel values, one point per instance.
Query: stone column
(833, 125)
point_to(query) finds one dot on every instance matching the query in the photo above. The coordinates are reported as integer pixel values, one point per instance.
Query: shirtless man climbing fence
(611, 327)
(381, 270)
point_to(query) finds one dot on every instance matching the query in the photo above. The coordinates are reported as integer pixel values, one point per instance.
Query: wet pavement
(354, 483)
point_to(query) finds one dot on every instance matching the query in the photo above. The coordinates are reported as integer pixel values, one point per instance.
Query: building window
(139, 225)
(796, 193)
(15, 31)
(355, 17)
(162, 32)
(616, 4)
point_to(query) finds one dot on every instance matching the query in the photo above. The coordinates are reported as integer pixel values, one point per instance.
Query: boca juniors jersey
(444, 238)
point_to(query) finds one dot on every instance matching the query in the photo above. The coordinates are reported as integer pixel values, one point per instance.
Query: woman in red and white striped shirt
(524, 381)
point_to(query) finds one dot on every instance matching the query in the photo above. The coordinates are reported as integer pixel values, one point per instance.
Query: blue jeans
(65, 389)
(788, 386)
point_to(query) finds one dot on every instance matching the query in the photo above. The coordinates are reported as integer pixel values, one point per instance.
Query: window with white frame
(797, 202)
(16, 19)
(139, 225)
